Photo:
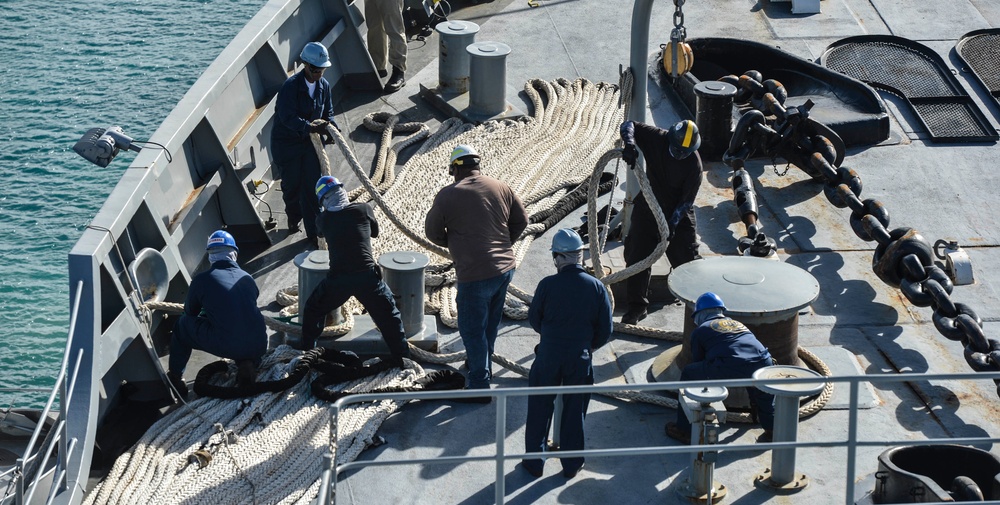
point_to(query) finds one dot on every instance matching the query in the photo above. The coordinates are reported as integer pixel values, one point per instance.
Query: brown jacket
(477, 218)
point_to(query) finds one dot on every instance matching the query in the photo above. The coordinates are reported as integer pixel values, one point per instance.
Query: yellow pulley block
(685, 57)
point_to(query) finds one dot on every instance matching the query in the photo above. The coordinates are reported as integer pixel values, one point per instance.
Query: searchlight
(100, 145)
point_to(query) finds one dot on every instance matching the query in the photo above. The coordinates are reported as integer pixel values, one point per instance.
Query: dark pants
(299, 174)
(368, 288)
(556, 366)
(641, 242)
(730, 368)
(196, 333)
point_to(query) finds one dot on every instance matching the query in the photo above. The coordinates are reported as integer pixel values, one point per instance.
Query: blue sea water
(66, 67)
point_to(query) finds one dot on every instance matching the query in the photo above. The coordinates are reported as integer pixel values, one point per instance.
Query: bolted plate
(749, 286)
(789, 372)
(317, 260)
(488, 49)
(403, 260)
(706, 394)
(714, 88)
(456, 27)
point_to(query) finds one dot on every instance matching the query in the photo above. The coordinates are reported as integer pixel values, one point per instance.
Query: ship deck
(858, 325)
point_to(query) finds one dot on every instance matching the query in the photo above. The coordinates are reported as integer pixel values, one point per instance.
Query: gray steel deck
(858, 324)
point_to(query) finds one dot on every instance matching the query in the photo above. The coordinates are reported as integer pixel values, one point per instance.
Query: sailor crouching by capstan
(571, 310)
(723, 348)
(220, 316)
(348, 229)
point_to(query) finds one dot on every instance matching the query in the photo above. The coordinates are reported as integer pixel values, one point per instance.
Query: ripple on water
(129, 72)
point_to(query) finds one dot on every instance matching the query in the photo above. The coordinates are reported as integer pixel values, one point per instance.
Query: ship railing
(49, 444)
(328, 487)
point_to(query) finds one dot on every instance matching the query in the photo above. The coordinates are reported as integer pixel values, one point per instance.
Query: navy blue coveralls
(292, 151)
(353, 272)
(220, 317)
(572, 313)
(675, 183)
(723, 348)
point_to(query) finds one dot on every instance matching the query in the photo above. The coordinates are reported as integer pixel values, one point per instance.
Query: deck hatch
(980, 51)
(918, 75)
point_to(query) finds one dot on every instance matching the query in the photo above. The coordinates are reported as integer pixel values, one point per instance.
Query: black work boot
(246, 373)
(178, 383)
(396, 81)
(633, 316)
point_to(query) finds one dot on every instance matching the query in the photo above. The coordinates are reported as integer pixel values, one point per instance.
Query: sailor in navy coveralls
(723, 348)
(571, 311)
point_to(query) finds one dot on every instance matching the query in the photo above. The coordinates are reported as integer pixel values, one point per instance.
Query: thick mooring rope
(571, 136)
(272, 443)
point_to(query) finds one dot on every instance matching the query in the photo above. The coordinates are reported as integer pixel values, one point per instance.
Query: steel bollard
(404, 274)
(704, 407)
(781, 476)
(488, 77)
(453, 59)
(313, 267)
(714, 116)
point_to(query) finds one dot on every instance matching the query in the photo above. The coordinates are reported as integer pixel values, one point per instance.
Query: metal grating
(948, 120)
(908, 72)
(916, 73)
(980, 51)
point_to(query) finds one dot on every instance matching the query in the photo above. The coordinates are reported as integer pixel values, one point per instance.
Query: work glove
(318, 127)
(630, 154)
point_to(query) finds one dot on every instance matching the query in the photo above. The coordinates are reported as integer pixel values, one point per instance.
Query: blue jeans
(480, 307)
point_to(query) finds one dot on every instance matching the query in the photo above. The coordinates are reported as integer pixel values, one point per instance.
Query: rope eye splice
(677, 56)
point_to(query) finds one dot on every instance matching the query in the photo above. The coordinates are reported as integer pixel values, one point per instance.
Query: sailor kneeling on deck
(220, 316)
(571, 311)
(348, 229)
(723, 348)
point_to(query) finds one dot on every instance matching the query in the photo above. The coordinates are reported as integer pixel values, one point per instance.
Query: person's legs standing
(291, 181)
(578, 371)
(683, 245)
(639, 243)
(496, 309)
(473, 302)
(328, 295)
(378, 301)
(377, 40)
(540, 407)
(395, 32)
(307, 193)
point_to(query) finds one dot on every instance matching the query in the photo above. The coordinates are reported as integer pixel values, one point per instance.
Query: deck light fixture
(100, 145)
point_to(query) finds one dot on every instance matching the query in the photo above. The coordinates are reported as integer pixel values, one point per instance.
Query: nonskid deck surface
(859, 323)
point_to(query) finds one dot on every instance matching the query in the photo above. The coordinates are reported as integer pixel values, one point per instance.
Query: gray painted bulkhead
(216, 137)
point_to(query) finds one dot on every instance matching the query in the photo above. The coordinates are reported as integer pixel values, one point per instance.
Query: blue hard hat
(316, 55)
(708, 301)
(566, 240)
(325, 184)
(221, 238)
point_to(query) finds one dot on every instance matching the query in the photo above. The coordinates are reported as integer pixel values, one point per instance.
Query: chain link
(679, 33)
(902, 259)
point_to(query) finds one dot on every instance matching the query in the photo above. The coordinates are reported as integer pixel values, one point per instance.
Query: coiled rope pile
(265, 449)
(573, 131)
(569, 139)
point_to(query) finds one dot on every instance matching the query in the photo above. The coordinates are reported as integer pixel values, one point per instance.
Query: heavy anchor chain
(903, 259)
